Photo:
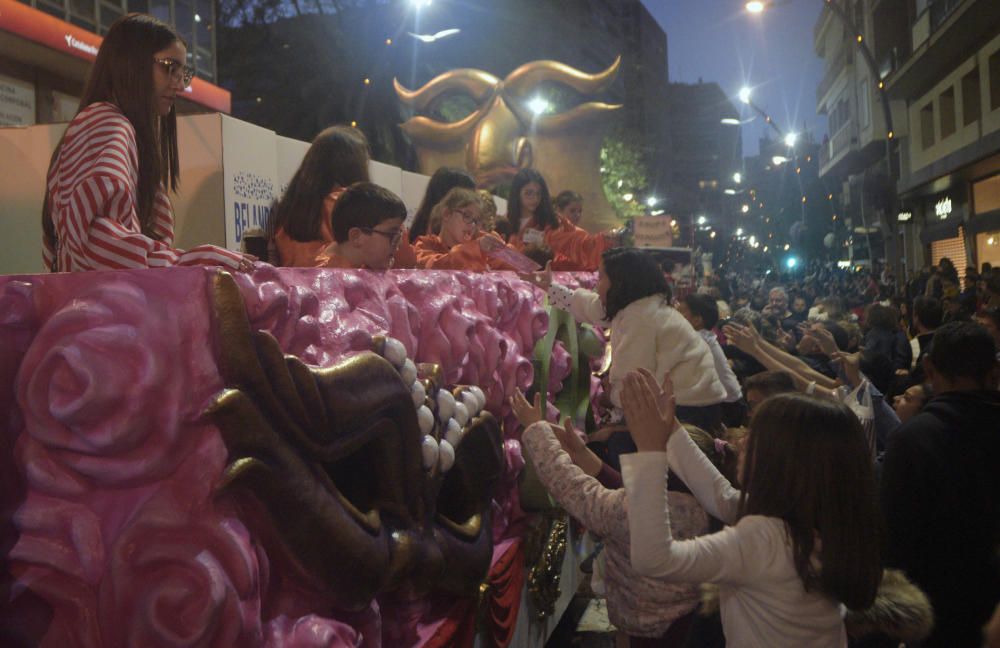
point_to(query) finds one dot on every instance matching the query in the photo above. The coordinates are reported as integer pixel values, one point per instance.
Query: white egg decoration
(419, 394)
(461, 414)
(453, 434)
(430, 451)
(394, 352)
(425, 418)
(471, 403)
(480, 396)
(446, 456)
(409, 372)
(446, 405)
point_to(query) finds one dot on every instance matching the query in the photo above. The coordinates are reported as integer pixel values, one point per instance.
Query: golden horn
(535, 72)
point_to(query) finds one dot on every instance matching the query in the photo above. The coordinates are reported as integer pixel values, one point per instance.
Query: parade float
(292, 457)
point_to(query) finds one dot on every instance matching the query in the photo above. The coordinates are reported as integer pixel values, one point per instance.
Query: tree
(623, 174)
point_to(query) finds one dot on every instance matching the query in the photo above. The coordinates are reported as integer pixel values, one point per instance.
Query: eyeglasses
(177, 70)
(467, 217)
(394, 236)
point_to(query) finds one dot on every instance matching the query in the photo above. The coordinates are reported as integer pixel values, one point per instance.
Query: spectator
(939, 484)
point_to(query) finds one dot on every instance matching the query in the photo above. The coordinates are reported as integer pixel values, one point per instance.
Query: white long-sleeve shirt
(726, 376)
(650, 334)
(761, 596)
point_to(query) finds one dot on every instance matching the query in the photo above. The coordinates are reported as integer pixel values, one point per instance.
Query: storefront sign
(943, 208)
(904, 217)
(17, 102)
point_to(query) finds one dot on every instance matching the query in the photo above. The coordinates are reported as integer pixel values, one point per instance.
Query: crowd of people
(784, 437)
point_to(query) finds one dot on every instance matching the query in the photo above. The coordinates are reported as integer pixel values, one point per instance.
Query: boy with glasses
(367, 228)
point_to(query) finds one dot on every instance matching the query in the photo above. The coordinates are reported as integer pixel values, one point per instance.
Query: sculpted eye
(551, 98)
(451, 106)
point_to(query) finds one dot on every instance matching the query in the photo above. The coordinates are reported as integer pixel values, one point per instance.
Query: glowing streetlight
(419, 4)
(702, 220)
(778, 160)
(538, 106)
(745, 209)
(755, 7)
(739, 231)
(627, 197)
(737, 177)
(787, 247)
(790, 139)
(744, 94)
(652, 200)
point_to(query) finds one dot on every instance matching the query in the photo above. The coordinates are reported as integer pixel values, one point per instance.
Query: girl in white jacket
(804, 537)
(633, 299)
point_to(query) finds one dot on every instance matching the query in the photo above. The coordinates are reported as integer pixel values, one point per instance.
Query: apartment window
(946, 102)
(864, 105)
(995, 80)
(971, 97)
(927, 126)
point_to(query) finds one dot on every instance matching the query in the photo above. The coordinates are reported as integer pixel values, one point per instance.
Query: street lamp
(790, 139)
(758, 6)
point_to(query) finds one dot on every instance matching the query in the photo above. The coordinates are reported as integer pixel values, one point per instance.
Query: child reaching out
(640, 606)
(646, 331)
(804, 537)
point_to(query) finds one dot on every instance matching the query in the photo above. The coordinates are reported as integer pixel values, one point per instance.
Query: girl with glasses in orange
(458, 244)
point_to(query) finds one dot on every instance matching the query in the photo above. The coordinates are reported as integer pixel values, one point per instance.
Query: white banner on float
(248, 162)
(387, 176)
(414, 186)
(290, 153)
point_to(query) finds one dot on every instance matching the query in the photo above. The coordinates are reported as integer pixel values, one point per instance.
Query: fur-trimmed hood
(901, 611)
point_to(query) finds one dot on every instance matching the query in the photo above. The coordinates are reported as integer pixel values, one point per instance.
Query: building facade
(949, 84)
(46, 47)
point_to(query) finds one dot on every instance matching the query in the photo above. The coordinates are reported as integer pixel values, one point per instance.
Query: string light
(354, 124)
(388, 41)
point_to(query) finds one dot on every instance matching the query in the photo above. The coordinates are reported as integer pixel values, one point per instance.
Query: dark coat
(940, 486)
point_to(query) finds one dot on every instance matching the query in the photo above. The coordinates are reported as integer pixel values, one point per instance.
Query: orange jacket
(572, 248)
(308, 254)
(433, 254)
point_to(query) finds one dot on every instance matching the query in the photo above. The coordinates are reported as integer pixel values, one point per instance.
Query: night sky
(772, 53)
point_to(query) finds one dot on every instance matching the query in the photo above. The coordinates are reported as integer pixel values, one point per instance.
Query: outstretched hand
(742, 337)
(577, 450)
(541, 278)
(527, 413)
(649, 409)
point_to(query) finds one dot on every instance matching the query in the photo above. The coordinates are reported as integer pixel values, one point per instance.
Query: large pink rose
(181, 584)
(107, 383)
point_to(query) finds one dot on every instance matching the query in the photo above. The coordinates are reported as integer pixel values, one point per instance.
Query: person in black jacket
(884, 336)
(940, 479)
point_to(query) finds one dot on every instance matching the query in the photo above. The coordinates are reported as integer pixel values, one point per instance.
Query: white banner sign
(17, 102)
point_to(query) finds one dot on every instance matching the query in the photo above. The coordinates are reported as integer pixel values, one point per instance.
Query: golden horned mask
(538, 117)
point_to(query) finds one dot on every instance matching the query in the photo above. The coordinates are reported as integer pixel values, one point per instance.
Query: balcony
(835, 149)
(844, 57)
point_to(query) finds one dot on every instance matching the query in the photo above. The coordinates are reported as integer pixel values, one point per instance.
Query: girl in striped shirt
(106, 205)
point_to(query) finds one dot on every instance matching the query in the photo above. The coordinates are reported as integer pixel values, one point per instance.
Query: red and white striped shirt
(92, 199)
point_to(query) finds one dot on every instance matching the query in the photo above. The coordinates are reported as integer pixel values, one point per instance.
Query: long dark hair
(807, 462)
(545, 216)
(123, 75)
(633, 274)
(444, 180)
(337, 157)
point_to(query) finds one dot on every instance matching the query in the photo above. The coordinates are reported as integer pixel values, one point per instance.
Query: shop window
(995, 80)
(946, 105)
(109, 14)
(84, 9)
(203, 23)
(138, 6)
(160, 9)
(184, 19)
(864, 105)
(970, 97)
(57, 9)
(927, 126)
(986, 195)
